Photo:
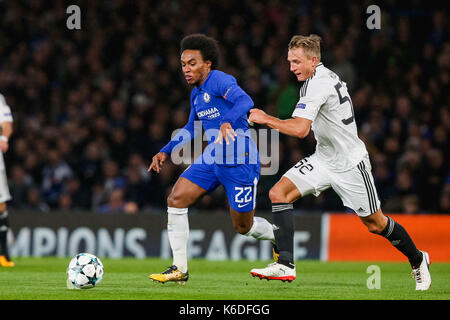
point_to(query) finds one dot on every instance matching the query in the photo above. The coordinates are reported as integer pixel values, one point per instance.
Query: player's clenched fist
(257, 116)
(157, 162)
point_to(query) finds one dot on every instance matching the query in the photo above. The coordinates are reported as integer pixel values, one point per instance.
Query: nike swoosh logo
(240, 206)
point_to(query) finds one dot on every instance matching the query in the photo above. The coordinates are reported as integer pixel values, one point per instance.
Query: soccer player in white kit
(340, 161)
(6, 121)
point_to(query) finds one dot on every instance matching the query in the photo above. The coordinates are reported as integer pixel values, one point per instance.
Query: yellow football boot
(275, 252)
(171, 274)
(5, 262)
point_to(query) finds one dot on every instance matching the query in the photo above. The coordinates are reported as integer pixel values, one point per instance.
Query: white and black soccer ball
(85, 271)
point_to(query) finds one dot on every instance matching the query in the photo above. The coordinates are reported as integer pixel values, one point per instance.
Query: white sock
(178, 233)
(261, 230)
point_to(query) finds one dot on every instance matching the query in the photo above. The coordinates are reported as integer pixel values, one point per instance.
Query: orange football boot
(5, 262)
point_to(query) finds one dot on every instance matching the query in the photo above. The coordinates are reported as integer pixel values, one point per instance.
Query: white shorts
(355, 187)
(4, 189)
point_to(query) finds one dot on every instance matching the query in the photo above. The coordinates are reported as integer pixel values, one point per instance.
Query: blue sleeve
(184, 135)
(227, 87)
(242, 104)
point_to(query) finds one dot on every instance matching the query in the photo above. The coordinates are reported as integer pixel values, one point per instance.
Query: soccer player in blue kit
(218, 102)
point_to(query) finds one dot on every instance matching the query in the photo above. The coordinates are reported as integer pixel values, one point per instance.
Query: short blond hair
(310, 44)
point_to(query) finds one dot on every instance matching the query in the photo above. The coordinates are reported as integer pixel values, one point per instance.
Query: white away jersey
(325, 101)
(5, 111)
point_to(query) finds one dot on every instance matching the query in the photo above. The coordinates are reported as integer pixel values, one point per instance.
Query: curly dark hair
(208, 47)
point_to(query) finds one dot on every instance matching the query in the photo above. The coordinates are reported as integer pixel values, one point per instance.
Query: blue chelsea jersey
(212, 101)
(219, 100)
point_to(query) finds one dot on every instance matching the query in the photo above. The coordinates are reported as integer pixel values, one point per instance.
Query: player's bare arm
(296, 127)
(7, 130)
(157, 162)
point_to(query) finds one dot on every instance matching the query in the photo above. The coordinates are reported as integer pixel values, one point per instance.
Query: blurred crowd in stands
(92, 106)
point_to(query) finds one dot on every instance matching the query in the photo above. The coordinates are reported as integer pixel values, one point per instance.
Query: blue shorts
(239, 182)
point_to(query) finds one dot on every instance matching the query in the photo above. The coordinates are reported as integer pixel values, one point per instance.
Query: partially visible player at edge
(221, 106)
(340, 161)
(6, 121)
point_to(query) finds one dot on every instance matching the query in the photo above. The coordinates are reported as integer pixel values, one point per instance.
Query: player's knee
(374, 228)
(242, 228)
(276, 196)
(174, 200)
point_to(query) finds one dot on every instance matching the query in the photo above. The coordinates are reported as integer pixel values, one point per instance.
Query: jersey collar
(318, 65)
(203, 86)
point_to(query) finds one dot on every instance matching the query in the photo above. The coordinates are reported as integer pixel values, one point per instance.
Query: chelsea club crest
(206, 97)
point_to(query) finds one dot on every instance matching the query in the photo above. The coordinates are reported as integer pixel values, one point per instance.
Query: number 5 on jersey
(344, 99)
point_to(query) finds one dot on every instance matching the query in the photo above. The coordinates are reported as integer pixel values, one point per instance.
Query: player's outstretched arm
(296, 127)
(157, 162)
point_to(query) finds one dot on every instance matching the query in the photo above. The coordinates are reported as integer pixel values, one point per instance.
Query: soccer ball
(85, 271)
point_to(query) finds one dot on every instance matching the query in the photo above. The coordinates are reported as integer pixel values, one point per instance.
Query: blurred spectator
(432, 178)
(410, 204)
(136, 135)
(19, 185)
(80, 197)
(118, 149)
(382, 177)
(343, 68)
(54, 174)
(156, 139)
(90, 164)
(35, 202)
(136, 189)
(65, 202)
(284, 93)
(444, 201)
(136, 162)
(111, 180)
(404, 187)
(117, 204)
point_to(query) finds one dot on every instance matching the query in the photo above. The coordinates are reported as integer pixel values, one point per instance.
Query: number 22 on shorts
(243, 196)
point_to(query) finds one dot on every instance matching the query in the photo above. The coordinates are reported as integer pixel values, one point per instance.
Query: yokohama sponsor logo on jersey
(207, 112)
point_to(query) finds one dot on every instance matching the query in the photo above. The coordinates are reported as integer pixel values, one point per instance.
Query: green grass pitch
(127, 279)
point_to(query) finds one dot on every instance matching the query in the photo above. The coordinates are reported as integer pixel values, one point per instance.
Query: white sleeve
(312, 97)
(5, 111)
